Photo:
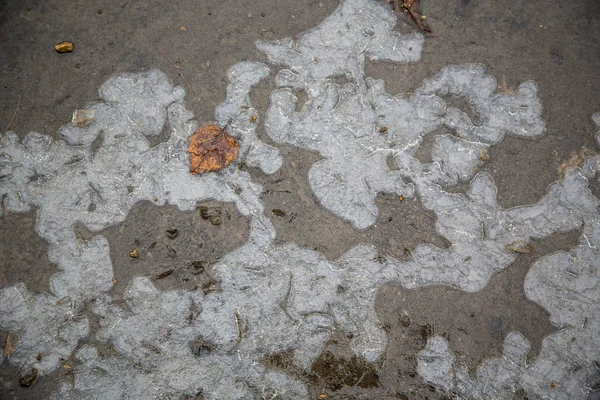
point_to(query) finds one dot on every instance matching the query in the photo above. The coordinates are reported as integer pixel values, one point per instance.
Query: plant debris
(82, 117)
(11, 342)
(212, 214)
(211, 149)
(411, 7)
(576, 159)
(520, 246)
(64, 47)
(164, 275)
(27, 380)
(172, 233)
(134, 253)
(504, 88)
(278, 212)
(483, 155)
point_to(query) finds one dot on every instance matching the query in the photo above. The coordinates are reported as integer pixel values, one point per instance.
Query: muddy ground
(554, 43)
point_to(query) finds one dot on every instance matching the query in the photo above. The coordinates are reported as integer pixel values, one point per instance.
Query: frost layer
(567, 285)
(95, 179)
(356, 126)
(277, 298)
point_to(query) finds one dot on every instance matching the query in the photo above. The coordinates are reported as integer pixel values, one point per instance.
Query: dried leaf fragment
(11, 342)
(212, 214)
(211, 149)
(64, 47)
(82, 117)
(27, 380)
(520, 246)
(134, 253)
(164, 275)
(504, 88)
(483, 155)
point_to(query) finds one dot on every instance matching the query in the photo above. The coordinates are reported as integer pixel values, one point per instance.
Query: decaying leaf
(520, 246)
(134, 253)
(212, 214)
(82, 117)
(64, 47)
(11, 342)
(27, 380)
(211, 149)
(576, 159)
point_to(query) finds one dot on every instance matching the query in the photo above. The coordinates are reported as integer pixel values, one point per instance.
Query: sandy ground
(554, 43)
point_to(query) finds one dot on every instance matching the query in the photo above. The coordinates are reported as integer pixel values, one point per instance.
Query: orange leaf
(211, 149)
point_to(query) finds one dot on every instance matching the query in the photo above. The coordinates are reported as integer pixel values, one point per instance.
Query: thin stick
(14, 114)
(175, 66)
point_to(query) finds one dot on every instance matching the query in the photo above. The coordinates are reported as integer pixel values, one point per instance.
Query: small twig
(14, 114)
(175, 66)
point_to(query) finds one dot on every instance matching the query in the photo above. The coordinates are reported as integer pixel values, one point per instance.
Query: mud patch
(23, 254)
(176, 248)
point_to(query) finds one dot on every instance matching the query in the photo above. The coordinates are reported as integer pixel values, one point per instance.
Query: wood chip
(64, 47)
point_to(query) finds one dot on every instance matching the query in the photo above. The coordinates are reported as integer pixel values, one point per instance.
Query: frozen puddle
(283, 298)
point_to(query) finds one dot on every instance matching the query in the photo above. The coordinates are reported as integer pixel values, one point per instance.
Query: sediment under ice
(274, 298)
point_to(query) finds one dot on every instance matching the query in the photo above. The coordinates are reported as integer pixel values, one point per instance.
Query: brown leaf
(211, 149)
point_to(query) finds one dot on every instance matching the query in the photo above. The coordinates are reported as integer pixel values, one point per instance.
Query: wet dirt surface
(475, 324)
(553, 43)
(175, 249)
(24, 254)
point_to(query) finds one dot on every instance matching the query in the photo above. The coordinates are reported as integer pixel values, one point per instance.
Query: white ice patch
(44, 325)
(241, 118)
(496, 378)
(106, 168)
(567, 285)
(283, 298)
